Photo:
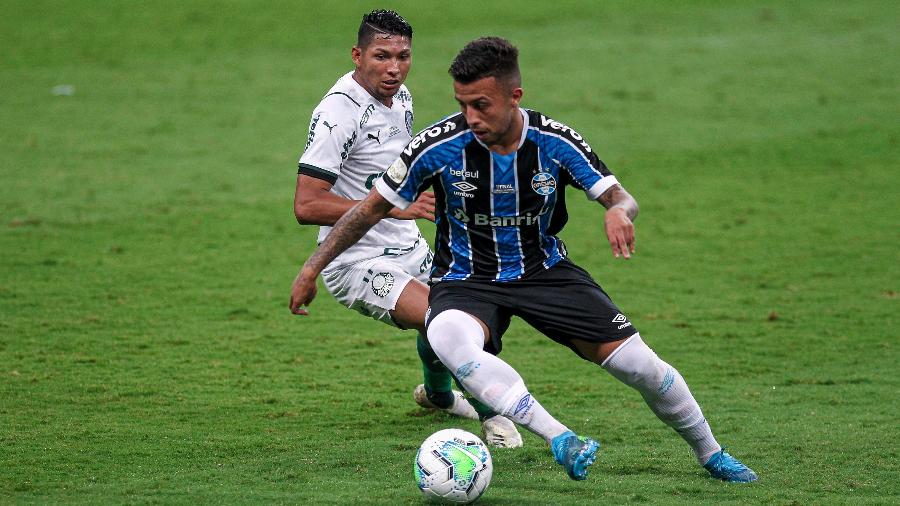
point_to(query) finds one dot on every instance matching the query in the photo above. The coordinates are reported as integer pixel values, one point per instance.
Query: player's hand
(620, 232)
(303, 291)
(423, 207)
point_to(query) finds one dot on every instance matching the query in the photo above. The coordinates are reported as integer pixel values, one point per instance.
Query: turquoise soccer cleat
(723, 466)
(574, 453)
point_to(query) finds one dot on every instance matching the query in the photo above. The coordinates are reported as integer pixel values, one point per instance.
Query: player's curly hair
(382, 21)
(487, 57)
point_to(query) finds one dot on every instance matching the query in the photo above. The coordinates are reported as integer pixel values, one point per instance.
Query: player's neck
(387, 101)
(509, 143)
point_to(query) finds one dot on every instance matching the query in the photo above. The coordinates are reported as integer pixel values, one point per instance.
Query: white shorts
(372, 286)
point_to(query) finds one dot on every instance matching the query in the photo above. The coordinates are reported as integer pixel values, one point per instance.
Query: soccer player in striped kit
(357, 130)
(498, 172)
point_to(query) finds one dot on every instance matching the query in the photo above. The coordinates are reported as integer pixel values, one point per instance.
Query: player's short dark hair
(487, 57)
(382, 21)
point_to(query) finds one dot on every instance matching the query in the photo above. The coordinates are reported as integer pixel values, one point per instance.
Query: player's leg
(459, 338)
(375, 288)
(667, 394)
(568, 306)
(437, 390)
(498, 430)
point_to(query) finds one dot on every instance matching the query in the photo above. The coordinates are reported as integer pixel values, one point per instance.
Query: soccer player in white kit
(357, 130)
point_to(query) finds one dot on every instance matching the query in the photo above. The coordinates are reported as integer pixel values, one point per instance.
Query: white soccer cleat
(501, 432)
(460, 407)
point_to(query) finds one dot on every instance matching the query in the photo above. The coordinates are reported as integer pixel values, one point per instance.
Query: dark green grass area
(147, 246)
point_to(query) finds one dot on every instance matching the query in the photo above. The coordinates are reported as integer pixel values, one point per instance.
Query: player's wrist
(308, 273)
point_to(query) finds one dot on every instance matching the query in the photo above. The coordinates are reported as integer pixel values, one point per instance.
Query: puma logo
(330, 127)
(376, 136)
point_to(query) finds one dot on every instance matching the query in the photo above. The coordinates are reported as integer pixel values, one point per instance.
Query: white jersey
(353, 139)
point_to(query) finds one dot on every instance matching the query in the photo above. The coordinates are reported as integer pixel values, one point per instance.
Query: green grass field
(147, 245)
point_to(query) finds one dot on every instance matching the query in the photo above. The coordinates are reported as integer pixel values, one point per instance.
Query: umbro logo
(622, 321)
(464, 186)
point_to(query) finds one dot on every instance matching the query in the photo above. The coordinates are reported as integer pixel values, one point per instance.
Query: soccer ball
(453, 466)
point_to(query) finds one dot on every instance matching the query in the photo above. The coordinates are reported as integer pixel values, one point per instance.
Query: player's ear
(356, 55)
(516, 95)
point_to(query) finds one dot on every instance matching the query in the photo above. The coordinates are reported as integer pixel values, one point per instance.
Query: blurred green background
(147, 244)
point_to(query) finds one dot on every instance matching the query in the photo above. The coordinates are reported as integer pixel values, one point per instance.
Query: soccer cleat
(723, 466)
(574, 453)
(459, 407)
(501, 432)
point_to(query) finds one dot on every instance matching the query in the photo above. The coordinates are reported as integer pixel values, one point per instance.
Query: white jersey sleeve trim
(390, 195)
(601, 186)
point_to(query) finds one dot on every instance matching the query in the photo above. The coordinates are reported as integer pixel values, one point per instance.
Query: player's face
(382, 66)
(491, 109)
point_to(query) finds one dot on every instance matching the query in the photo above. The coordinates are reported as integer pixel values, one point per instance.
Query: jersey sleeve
(332, 135)
(584, 168)
(424, 157)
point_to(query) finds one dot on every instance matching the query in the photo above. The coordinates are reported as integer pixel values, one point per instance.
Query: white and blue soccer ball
(453, 466)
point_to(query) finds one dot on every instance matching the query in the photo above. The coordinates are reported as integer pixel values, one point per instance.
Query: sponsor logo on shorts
(465, 370)
(382, 283)
(620, 318)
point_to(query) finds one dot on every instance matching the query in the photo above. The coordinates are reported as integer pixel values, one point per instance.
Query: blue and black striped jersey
(497, 216)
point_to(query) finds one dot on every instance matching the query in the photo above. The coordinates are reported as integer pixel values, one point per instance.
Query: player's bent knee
(636, 365)
(452, 330)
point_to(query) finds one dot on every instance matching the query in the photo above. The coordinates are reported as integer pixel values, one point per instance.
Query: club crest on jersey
(543, 184)
(409, 122)
(397, 171)
(382, 283)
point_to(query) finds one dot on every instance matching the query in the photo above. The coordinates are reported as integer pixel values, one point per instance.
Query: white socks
(665, 391)
(457, 339)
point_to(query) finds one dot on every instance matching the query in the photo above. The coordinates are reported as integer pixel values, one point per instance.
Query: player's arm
(621, 210)
(314, 204)
(347, 231)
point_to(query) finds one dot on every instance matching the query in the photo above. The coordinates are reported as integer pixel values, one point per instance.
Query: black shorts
(563, 303)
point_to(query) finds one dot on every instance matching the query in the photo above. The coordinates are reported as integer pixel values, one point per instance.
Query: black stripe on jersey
(344, 94)
(481, 237)
(530, 201)
(443, 254)
(313, 171)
